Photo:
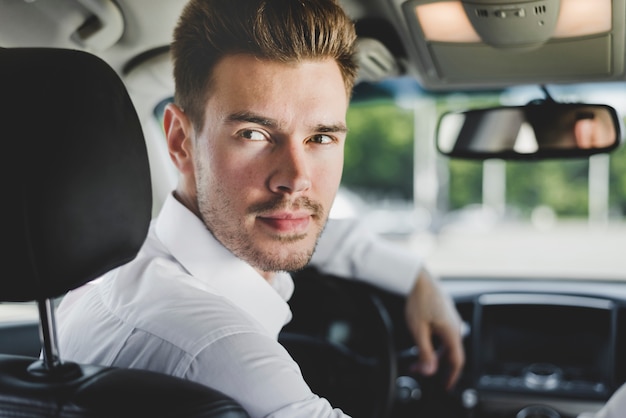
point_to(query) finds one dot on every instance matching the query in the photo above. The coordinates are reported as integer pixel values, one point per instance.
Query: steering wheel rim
(323, 308)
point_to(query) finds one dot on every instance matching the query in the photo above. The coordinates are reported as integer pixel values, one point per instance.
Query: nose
(291, 170)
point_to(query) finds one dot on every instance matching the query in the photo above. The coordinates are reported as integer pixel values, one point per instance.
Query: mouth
(287, 219)
(286, 223)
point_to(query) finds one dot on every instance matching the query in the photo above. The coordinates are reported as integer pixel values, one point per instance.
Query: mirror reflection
(538, 130)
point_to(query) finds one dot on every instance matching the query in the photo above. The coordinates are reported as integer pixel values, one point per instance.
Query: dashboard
(542, 348)
(534, 348)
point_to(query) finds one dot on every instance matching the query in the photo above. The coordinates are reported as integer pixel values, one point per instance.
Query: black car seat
(77, 202)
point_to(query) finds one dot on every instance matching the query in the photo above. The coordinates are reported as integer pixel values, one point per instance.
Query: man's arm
(431, 313)
(348, 249)
(257, 372)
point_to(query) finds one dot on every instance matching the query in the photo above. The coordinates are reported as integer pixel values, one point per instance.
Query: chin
(287, 258)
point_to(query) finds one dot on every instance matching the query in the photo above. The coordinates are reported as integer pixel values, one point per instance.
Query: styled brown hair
(277, 30)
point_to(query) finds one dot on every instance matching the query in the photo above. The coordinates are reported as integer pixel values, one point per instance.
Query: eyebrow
(273, 123)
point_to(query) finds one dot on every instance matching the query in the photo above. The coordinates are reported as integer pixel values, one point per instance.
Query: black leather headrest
(78, 195)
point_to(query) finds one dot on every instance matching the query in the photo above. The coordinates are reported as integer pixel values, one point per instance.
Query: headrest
(78, 196)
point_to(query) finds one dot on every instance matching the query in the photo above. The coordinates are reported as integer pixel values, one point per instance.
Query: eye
(322, 139)
(252, 135)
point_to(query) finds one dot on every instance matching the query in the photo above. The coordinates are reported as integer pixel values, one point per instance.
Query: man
(257, 133)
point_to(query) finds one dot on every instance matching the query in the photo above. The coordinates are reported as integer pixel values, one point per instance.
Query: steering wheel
(341, 337)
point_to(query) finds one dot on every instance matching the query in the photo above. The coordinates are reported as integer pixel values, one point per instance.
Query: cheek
(236, 173)
(328, 174)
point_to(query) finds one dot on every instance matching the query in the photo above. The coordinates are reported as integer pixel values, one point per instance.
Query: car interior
(485, 135)
(83, 209)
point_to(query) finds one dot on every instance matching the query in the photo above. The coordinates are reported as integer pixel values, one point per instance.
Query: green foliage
(465, 186)
(379, 150)
(559, 184)
(617, 181)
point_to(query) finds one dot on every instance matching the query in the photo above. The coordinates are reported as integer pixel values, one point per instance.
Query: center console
(543, 349)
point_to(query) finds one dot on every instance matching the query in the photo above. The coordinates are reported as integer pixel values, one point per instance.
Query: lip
(287, 222)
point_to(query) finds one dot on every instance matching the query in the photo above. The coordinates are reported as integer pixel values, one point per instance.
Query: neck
(267, 275)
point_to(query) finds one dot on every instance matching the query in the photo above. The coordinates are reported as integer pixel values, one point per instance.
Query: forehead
(272, 88)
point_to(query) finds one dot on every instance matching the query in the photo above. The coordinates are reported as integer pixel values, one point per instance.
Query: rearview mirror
(545, 129)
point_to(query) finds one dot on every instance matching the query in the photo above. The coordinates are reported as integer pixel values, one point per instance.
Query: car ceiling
(124, 33)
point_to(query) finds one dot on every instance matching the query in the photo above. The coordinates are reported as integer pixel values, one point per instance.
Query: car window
(17, 312)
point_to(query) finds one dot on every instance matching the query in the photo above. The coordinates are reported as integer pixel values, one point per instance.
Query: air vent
(482, 12)
(539, 10)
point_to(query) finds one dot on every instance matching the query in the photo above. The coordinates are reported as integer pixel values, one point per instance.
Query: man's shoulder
(171, 305)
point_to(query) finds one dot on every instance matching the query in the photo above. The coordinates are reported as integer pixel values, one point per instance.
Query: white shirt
(188, 307)
(614, 408)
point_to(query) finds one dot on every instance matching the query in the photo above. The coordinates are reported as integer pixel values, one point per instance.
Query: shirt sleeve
(347, 248)
(614, 408)
(259, 373)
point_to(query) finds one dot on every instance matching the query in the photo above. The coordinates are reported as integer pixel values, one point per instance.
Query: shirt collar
(195, 248)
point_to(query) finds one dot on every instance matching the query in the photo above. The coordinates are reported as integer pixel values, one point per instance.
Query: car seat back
(77, 203)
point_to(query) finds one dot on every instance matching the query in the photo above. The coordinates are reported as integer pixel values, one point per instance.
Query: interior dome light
(505, 24)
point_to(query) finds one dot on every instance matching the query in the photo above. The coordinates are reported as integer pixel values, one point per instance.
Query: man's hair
(277, 30)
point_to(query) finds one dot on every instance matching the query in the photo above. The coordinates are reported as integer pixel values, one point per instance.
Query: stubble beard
(232, 232)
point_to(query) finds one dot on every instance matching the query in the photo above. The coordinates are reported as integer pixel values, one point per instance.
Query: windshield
(558, 217)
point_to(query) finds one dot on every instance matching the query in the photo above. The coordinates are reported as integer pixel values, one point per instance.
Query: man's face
(269, 159)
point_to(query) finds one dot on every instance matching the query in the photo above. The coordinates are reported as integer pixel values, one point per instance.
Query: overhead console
(501, 42)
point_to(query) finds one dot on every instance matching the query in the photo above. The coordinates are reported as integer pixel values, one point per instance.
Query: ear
(178, 132)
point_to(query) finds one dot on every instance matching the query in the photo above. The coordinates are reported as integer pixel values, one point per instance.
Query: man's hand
(431, 313)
